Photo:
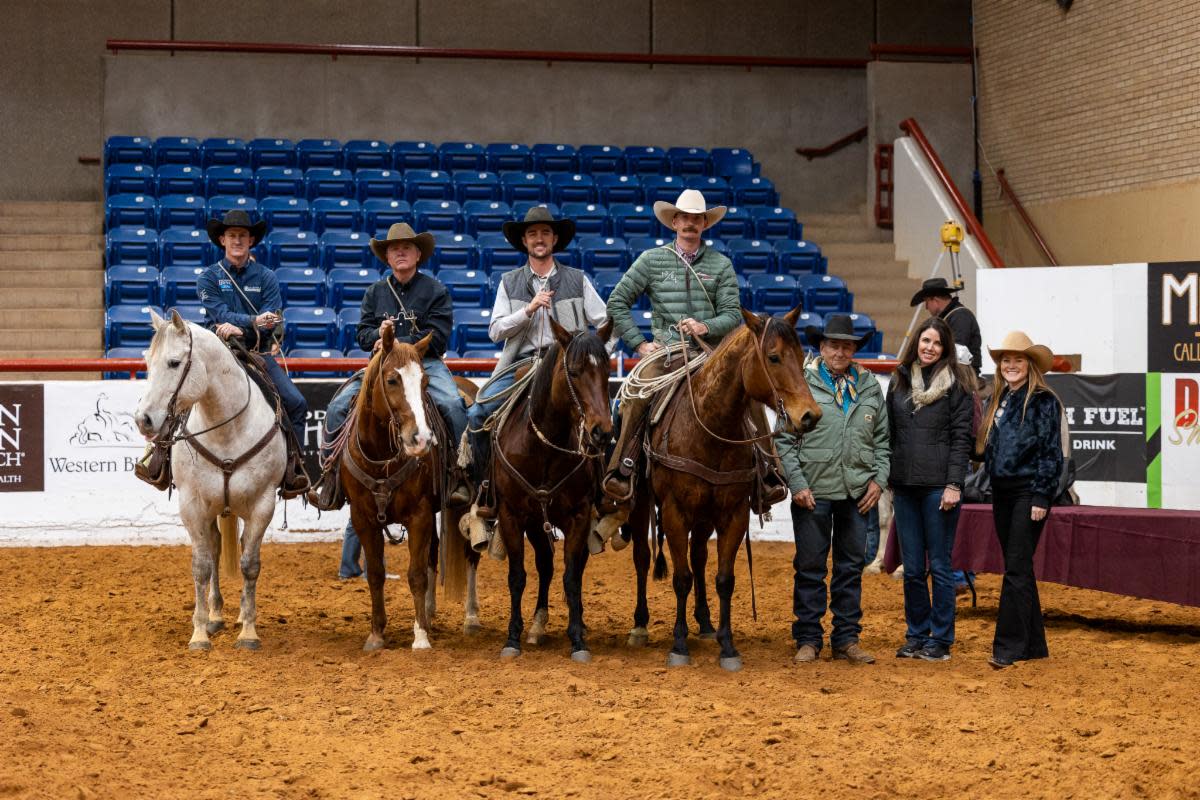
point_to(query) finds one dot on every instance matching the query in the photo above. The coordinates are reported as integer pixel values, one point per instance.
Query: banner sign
(1173, 317)
(1107, 418)
(22, 437)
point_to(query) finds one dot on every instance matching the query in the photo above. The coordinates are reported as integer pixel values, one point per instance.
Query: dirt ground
(100, 697)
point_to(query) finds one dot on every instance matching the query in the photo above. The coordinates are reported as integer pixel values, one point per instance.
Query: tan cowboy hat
(403, 232)
(690, 201)
(1019, 342)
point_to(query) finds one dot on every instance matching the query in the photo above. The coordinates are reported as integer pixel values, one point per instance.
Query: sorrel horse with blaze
(702, 468)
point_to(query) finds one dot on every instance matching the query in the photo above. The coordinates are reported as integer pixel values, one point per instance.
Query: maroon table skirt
(1149, 553)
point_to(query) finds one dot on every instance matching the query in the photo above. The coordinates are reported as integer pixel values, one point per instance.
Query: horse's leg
(675, 525)
(216, 603)
(637, 527)
(471, 624)
(575, 558)
(204, 565)
(514, 543)
(543, 558)
(699, 557)
(431, 574)
(254, 528)
(370, 536)
(729, 539)
(420, 548)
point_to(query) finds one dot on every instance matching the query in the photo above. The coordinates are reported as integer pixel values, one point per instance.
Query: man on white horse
(241, 298)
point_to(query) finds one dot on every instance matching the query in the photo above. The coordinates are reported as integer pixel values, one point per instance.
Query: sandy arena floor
(99, 696)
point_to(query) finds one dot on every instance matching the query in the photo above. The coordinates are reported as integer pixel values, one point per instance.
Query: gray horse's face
(166, 361)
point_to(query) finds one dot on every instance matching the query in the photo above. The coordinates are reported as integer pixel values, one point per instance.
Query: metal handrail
(1007, 191)
(913, 51)
(817, 152)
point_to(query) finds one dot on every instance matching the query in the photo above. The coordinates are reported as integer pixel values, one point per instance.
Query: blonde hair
(1035, 380)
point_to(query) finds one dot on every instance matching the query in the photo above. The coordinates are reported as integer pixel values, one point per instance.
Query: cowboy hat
(838, 327)
(564, 229)
(932, 288)
(1019, 342)
(690, 201)
(235, 219)
(403, 232)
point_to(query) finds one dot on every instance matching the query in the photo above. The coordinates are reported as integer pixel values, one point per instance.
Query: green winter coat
(660, 273)
(844, 452)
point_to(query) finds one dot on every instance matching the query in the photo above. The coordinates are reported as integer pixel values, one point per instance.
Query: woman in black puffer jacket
(931, 404)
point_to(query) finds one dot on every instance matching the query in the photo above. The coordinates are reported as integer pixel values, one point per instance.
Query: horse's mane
(775, 327)
(581, 347)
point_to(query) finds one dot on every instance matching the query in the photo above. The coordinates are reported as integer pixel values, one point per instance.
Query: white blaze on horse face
(595, 362)
(410, 376)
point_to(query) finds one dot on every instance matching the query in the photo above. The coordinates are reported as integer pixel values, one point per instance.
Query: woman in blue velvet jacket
(1020, 437)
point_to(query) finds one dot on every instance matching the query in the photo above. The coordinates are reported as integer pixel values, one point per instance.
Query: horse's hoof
(199, 645)
(371, 646)
(678, 660)
(731, 664)
(618, 542)
(707, 635)
(420, 646)
(248, 644)
(510, 652)
(582, 656)
(638, 637)
(533, 638)
(471, 627)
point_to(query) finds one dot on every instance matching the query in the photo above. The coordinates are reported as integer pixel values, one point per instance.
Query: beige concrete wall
(298, 21)
(609, 26)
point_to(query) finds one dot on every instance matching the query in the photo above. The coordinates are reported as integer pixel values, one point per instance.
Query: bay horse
(392, 472)
(548, 459)
(702, 469)
(227, 460)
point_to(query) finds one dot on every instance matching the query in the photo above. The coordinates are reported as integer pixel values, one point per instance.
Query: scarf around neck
(922, 396)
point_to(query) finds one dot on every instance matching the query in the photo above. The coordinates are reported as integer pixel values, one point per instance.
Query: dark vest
(568, 310)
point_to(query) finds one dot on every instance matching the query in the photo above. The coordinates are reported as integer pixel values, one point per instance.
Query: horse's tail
(231, 551)
(660, 558)
(454, 557)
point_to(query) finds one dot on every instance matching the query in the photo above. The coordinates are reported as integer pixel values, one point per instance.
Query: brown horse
(548, 458)
(702, 468)
(391, 473)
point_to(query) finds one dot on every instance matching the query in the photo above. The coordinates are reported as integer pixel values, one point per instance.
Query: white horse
(190, 369)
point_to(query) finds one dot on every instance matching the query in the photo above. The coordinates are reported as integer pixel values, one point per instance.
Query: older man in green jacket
(836, 477)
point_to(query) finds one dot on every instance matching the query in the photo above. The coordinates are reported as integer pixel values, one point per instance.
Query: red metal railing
(884, 184)
(817, 152)
(908, 52)
(1006, 190)
(913, 129)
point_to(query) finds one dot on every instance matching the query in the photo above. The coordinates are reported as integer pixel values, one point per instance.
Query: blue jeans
(872, 534)
(836, 523)
(351, 554)
(442, 391)
(926, 533)
(481, 443)
(293, 402)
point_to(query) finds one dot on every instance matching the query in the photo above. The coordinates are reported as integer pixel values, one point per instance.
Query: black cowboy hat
(235, 219)
(838, 327)
(932, 288)
(564, 229)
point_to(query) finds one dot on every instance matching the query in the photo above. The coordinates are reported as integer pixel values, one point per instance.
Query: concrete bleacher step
(51, 319)
(74, 299)
(51, 242)
(54, 260)
(50, 225)
(71, 340)
(46, 279)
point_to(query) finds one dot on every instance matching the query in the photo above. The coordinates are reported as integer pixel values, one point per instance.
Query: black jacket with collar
(965, 328)
(425, 297)
(930, 446)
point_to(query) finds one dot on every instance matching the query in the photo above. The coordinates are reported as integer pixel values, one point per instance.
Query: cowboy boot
(295, 478)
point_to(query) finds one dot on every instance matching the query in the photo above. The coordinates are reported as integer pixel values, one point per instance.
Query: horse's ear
(753, 321)
(177, 321)
(605, 329)
(422, 345)
(561, 334)
(387, 335)
(793, 315)
(156, 321)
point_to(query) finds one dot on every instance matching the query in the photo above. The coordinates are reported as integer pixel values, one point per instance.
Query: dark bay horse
(702, 468)
(549, 454)
(391, 474)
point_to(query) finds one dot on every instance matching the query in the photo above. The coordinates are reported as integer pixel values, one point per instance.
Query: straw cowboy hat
(690, 201)
(1018, 342)
(933, 288)
(235, 219)
(403, 232)
(564, 229)
(838, 327)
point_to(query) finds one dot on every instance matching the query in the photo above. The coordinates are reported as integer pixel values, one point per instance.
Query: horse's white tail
(454, 557)
(231, 550)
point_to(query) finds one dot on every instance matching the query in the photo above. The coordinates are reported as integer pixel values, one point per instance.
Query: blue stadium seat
(605, 280)
(549, 158)
(131, 284)
(424, 184)
(521, 208)
(360, 154)
(414, 155)
(730, 161)
(437, 215)
(635, 220)
(325, 153)
(191, 312)
(129, 179)
(328, 182)
(344, 249)
(386, 184)
(646, 160)
(773, 222)
(774, 294)
(279, 182)
(509, 157)
(129, 325)
(715, 189)
(379, 214)
(178, 285)
(568, 187)
(572, 256)
(286, 213)
(346, 287)
(453, 251)
(347, 321)
(136, 210)
(640, 244)
(128, 150)
(131, 246)
(176, 150)
(736, 224)
(222, 204)
(493, 353)
(301, 286)
(662, 187)
(595, 158)
(753, 191)
(485, 216)
(591, 219)
(219, 152)
(799, 256)
(752, 255)
(356, 352)
(808, 319)
(471, 330)
(124, 352)
(462, 155)
(314, 352)
(825, 294)
(718, 245)
(178, 247)
(496, 255)
(336, 214)
(179, 179)
(185, 211)
(229, 180)
(642, 318)
(477, 186)
(468, 287)
(524, 187)
(604, 252)
(689, 161)
(297, 249)
(271, 153)
(310, 327)
(612, 188)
